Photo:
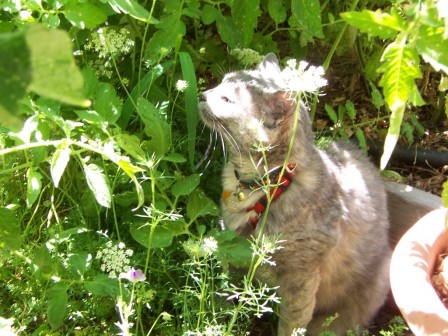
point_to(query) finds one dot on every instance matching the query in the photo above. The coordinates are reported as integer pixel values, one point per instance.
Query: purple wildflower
(133, 275)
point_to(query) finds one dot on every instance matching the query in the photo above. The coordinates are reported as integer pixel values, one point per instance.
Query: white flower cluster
(181, 85)
(107, 42)
(200, 249)
(298, 332)
(303, 77)
(209, 330)
(115, 259)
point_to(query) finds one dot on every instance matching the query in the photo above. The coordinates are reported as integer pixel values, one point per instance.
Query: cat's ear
(282, 106)
(269, 66)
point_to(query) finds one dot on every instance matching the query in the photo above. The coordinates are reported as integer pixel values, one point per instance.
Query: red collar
(276, 185)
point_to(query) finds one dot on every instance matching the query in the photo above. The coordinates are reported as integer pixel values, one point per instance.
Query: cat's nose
(203, 97)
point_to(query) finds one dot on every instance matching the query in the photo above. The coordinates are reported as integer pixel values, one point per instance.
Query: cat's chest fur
(332, 216)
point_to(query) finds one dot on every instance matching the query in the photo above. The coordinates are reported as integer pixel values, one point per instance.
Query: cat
(330, 211)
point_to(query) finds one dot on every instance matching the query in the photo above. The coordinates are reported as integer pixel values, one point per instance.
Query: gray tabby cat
(331, 210)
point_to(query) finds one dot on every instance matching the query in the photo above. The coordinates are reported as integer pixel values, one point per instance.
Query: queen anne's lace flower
(114, 259)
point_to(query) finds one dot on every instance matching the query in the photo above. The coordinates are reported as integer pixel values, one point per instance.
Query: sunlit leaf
(10, 237)
(185, 185)
(133, 8)
(59, 162)
(98, 183)
(432, 44)
(307, 12)
(34, 186)
(200, 205)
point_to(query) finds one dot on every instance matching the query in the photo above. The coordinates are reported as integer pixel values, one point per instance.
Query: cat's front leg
(298, 299)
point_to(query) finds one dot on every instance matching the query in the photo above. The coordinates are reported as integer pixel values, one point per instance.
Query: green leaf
(376, 23)
(131, 170)
(191, 103)
(57, 304)
(79, 263)
(102, 285)
(59, 162)
(55, 74)
(331, 113)
(432, 44)
(84, 15)
(42, 260)
(400, 68)
(107, 103)
(350, 109)
(155, 127)
(209, 14)
(133, 8)
(232, 248)
(15, 73)
(162, 235)
(185, 185)
(361, 140)
(131, 144)
(170, 31)
(227, 30)
(200, 205)
(307, 12)
(98, 183)
(139, 90)
(174, 157)
(10, 237)
(34, 186)
(445, 194)
(277, 11)
(245, 16)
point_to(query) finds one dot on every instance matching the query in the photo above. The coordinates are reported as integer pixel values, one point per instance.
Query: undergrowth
(106, 224)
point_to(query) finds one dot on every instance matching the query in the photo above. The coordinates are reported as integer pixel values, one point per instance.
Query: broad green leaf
(84, 15)
(34, 186)
(209, 14)
(227, 30)
(191, 103)
(331, 113)
(185, 185)
(107, 103)
(57, 304)
(79, 263)
(376, 23)
(133, 8)
(232, 248)
(90, 116)
(200, 205)
(245, 16)
(307, 12)
(131, 144)
(277, 10)
(174, 157)
(432, 44)
(103, 285)
(10, 237)
(98, 183)
(55, 74)
(42, 260)
(59, 162)
(15, 74)
(156, 128)
(161, 237)
(170, 30)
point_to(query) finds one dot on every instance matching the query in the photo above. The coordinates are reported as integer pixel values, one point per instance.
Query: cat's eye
(226, 99)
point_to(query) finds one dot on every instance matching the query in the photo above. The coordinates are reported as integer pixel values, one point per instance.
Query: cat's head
(250, 109)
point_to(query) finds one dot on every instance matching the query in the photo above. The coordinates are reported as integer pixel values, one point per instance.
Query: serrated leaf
(400, 67)
(10, 237)
(185, 185)
(227, 31)
(245, 16)
(107, 103)
(55, 74)
(34, 186)
(432, 44)
(200, 205)
(209, 14)
(133, 8)
(84, 15)
(103, 285)
(277, 11)
(98, 184)
(376, 23)
(307, 12)
(59, 162)
(57, 304)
